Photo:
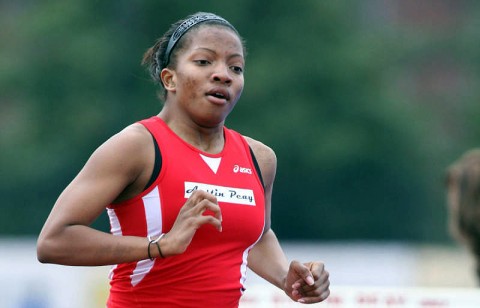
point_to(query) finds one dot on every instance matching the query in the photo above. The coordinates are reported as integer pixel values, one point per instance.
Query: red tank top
(211, 272)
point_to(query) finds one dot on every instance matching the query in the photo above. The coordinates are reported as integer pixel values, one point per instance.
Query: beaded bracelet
(150, 242)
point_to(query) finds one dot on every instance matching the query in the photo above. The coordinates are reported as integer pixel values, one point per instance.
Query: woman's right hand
(191, 217)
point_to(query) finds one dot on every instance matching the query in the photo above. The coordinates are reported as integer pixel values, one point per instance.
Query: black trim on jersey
(257, 167)
(157, 165)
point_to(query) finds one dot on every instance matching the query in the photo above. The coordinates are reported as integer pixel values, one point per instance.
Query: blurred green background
(364, 102)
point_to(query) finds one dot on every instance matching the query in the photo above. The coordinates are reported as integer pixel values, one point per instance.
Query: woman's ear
(168, 77)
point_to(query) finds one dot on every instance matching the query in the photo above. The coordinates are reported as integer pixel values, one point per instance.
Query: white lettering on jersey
(237, 169)
(223, 193)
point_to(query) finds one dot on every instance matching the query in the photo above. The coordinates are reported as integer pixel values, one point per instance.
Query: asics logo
(237, 169)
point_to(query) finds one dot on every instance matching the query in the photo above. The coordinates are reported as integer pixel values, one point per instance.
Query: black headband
(185, 26)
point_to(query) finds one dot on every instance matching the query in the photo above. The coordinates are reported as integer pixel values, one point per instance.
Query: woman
(463, 200)
(188, 199)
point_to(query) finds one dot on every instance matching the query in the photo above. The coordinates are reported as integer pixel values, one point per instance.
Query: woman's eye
(202, 62)
(237, 69)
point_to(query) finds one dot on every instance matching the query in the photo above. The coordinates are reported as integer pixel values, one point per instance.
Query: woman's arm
(266, 258)
(305, 283)
(112, 171)
(118, 170)
(268, 261)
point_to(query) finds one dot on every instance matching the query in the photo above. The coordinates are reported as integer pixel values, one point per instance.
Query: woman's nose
(222, 74)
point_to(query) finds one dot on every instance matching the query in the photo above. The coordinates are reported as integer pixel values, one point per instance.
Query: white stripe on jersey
(153, 216)
(243, 266)
(115, 229)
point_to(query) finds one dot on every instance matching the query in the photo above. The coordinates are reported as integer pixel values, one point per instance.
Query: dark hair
(155, 58)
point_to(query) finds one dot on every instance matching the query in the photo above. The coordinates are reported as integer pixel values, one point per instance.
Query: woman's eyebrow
(240, 55)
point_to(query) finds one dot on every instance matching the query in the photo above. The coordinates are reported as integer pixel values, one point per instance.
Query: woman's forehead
(214, 34)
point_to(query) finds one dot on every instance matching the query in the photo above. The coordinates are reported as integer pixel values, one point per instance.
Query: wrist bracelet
(150, 242)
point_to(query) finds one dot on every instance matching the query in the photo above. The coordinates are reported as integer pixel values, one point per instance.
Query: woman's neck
(207, 139)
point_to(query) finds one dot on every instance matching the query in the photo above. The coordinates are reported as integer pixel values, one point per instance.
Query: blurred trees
(365, 104)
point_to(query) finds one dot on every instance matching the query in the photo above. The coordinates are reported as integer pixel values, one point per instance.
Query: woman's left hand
(307, 283)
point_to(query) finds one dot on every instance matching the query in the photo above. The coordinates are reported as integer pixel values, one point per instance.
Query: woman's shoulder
(132, 142)
(127, 156)
(261, 150)
(133, 136)
(266, 158)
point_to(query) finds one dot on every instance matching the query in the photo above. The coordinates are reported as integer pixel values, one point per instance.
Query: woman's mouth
(220, 94)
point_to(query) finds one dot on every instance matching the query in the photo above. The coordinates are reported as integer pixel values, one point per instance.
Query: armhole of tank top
(257, 167)
(157, 166)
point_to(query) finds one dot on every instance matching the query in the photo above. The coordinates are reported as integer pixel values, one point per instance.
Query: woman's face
(208, 78)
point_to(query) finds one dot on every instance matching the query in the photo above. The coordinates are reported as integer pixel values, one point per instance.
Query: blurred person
(463, 199)
(188, 199)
